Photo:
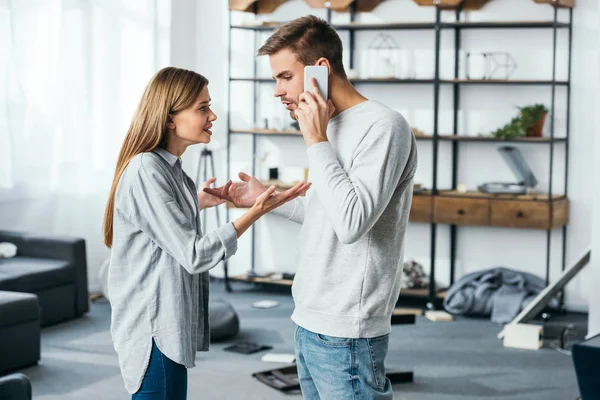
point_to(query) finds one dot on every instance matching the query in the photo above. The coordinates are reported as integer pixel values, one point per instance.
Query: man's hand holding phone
(313, 114)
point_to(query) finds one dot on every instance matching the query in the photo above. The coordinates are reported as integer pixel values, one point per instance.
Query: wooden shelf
(265, 26)
(470, 5)
(531, 82)
(398, 26)
(500, 82)
(561, 3)
(422, 293)
(481, 195)
(252, 79)
(352, 26)
(353, 80)
(360, 26)
(456, 138)
(244, 278)
(267, 132)
(397, 81)
(491, 139)
(406, 293)
(504, 25)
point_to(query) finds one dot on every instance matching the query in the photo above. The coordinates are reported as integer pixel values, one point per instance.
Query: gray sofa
(15, 387)
(19, 331)
(53, 268)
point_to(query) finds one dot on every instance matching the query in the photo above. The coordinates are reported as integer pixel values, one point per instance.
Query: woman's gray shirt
(158, 282)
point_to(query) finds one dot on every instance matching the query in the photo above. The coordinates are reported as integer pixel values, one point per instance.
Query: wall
(488, 106)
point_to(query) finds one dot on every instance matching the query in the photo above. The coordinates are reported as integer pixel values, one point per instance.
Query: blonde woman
(158, 282)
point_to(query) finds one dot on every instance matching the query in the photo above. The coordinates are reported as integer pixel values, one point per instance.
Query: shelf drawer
(420, 210)
(521, 214)
(461, 211)
(560, 213)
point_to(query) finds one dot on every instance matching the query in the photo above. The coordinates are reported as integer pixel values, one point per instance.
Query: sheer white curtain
(71, 74)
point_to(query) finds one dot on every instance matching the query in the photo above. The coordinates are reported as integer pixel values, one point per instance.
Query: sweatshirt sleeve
(155, 212)
(292, 210)
(354, 201)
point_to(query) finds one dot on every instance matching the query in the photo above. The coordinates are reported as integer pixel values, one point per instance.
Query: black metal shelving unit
(432, 299)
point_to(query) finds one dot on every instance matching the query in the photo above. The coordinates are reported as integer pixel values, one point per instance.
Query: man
(362, 159)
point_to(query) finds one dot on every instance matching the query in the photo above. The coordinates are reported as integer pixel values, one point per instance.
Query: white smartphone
(320, 73)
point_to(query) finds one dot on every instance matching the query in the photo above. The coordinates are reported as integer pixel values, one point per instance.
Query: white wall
(488, 106)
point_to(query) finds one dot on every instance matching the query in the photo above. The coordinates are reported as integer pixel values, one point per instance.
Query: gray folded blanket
(499, 292)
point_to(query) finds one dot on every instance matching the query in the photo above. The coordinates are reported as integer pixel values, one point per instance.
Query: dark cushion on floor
(26, 274)
(223, 320)
(16, 308)
(15, 387)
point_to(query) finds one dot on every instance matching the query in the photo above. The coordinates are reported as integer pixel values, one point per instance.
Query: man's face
(289, 75)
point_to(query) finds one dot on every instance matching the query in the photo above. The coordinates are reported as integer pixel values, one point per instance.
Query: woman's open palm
(242, 194)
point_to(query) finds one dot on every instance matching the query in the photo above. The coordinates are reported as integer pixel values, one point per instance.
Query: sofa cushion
(15, 386)
(16, 308)
(26, 274)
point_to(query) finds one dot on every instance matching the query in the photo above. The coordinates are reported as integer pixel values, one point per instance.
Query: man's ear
(324, 62)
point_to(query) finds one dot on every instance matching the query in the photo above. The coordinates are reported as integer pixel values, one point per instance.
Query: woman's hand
(265, 202)
(270, 200)
(205, 199)
(242, 194)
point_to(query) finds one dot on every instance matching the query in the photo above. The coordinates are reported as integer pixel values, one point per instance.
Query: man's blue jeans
(333, 368)
(164, 379)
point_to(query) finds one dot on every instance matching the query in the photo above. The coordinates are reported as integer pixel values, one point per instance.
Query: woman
(158, 281)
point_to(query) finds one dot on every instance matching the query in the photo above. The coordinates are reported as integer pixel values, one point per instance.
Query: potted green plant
(511, 130)
(533, 118)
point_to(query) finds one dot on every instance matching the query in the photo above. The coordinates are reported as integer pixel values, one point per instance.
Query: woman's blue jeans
(164, 379)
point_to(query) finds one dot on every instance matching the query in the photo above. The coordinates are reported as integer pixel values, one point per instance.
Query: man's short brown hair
(309, 38)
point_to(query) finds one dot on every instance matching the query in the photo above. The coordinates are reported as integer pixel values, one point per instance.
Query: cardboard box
(524, 336)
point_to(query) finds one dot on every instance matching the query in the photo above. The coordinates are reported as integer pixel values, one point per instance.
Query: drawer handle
(461, 212)
(520, 214)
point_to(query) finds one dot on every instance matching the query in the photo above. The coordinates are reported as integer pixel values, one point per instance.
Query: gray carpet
(452, 360)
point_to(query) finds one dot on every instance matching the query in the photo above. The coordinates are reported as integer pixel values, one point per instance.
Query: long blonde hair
(169, 91)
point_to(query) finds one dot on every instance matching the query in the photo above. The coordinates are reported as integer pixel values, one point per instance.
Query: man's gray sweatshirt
(354, 222)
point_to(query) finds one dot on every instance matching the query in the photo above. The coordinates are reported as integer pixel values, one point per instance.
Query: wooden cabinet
(480, 209)
(420, 211)
(461, 211)
(520, 214)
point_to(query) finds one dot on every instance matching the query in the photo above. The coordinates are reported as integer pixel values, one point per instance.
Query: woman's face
(193, 124)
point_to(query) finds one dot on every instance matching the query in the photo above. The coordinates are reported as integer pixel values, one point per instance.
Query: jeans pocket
(378, 348)
(333, 341)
